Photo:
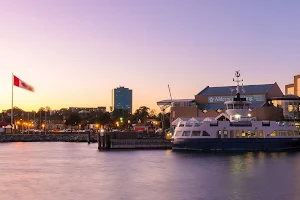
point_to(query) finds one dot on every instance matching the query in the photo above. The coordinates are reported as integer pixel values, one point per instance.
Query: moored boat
(241, 133)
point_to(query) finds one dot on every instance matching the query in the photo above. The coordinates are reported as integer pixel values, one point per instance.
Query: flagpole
(12, 104)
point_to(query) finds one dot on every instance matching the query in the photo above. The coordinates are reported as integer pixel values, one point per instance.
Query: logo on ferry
(211, 99)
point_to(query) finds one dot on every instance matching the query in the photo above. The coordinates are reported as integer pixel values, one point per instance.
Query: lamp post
(43, 126)
(97, 127)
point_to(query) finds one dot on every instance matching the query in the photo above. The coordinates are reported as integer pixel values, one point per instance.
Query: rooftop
(169, 101)
(225, 90)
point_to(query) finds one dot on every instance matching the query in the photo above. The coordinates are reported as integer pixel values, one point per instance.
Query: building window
(290, 108)
(290, 90)
(298, 86)
(186, 104)
(176, 104)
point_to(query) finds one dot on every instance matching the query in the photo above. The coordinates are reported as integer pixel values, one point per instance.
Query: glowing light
(237, 116)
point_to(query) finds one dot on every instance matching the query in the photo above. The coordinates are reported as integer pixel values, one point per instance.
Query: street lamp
(44, 127)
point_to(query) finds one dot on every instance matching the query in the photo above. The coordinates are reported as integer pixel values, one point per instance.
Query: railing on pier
(140, 143)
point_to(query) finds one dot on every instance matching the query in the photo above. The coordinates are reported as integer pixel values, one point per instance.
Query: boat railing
(241, 123)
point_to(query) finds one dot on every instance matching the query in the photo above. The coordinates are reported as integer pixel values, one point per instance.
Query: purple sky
(75, 52)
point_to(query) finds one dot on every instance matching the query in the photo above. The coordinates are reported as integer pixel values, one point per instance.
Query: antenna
(170, 93)
(237, 75)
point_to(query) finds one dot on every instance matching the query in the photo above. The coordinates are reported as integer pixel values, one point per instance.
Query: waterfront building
(122, 98)
(209, 102)
(294, 88)
(82, 110)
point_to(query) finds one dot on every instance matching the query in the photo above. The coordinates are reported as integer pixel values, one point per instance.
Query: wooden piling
(89, 137)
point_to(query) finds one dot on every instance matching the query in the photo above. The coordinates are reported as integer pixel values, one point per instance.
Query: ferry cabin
(226, 129)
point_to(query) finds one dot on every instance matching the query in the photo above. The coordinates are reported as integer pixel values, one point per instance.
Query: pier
(111, 140)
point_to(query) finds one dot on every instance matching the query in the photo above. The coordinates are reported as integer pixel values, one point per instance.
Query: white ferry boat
(241, 132)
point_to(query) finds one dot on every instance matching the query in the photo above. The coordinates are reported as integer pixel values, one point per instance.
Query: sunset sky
(74, 52)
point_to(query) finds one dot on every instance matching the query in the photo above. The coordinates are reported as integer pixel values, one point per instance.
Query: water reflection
(78, 171)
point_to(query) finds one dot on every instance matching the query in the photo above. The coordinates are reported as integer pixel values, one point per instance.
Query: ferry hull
(237, 144)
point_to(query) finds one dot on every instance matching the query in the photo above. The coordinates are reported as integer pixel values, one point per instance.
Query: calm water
(79, 171)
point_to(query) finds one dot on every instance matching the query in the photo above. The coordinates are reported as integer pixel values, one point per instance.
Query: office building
(294, 88)
(122, 98)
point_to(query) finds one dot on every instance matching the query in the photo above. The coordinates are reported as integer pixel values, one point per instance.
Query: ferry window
(204, 133)
(290, 133)
(255, 134)
(186, 104)
(219, 134)
(230, 106)
(261, 134)
(282, 133)
(186, 133)
(231, 134)
(225, 133)
(297, 133)
(243, 133)
(197, 124)
(188, 124)
(246, 106)
(249, 134)
(196, 133)
(178, 133)
(237, 134)
(273, 134)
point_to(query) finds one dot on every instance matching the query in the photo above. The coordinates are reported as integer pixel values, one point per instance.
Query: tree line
(69, 117)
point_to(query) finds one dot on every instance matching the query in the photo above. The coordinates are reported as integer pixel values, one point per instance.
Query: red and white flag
(19, 83)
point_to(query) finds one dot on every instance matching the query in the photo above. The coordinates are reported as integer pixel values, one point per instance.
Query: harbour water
(54, 171)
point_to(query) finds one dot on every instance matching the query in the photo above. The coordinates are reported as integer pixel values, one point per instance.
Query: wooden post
(89, 137)
(99, 141)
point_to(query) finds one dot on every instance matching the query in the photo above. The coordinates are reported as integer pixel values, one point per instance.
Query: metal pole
(45, 121)
(40, 118)
(12, 104)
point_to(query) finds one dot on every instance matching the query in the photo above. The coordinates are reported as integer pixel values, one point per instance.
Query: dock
(107, 141)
